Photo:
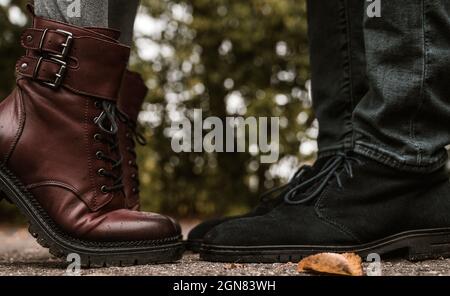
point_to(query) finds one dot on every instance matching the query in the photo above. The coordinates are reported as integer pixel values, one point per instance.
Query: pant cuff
(327, 151)
(401, 162)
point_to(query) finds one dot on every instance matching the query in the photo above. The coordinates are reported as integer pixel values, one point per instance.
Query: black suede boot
(356, 205)
(267, 203)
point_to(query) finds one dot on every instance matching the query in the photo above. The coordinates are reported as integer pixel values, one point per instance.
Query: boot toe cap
(238, 232)
(126, 225)
(199, 231)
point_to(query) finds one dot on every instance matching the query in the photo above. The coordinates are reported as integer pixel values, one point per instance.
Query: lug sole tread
(414, 246)
(92, 254)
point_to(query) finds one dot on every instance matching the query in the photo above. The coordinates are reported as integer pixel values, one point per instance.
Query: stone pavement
(21, 255)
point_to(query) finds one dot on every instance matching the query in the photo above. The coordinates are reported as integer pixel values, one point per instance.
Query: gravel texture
(21, 255)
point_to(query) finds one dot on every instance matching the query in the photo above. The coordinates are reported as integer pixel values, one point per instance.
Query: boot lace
(106, 121)
(295, 179)
(333, 168)
(133, 135)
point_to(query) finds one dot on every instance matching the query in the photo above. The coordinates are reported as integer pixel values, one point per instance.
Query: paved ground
(21, 255)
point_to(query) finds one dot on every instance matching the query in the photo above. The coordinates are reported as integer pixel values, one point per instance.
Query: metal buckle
(66, 45)
(58, 76)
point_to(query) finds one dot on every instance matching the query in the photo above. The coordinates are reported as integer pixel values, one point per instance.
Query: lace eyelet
(133, 176)
(98, 105)
(99, 155)
(104, 189)
(130, 162)
(134, 190)
(97, 137)
(101, 172)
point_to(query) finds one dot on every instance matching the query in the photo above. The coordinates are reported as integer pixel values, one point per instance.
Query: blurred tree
(12, 19)
(227, 58)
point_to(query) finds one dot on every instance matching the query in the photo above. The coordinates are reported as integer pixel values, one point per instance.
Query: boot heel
(430, 247)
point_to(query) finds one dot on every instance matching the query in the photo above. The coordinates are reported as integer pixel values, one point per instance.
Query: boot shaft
(55, 123)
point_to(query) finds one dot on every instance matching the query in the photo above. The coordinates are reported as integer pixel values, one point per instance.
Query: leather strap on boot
(79, 59)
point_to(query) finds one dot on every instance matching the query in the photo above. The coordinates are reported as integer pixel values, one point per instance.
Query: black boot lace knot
(295, 179)
(333, 168)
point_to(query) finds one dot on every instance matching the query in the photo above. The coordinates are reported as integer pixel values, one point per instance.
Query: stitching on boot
(93, 202)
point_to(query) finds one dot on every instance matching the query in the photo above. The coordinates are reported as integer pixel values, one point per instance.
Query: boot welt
(413, 245)
(194, 245)
(92, 254)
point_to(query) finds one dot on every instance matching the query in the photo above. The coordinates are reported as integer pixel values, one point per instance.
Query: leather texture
(130, 102)
(48, 137)
(102, 66)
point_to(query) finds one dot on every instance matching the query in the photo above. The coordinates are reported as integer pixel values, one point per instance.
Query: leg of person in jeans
(338, 84)
(338, 70)
(71, 187)
(114, 14)
(389, 191)
(91, 13)
(403, 120)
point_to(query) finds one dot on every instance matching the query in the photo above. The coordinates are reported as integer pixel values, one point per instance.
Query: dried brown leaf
(332, 263)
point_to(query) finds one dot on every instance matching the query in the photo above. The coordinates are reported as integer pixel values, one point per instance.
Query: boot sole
(413, 245)
(92, 254)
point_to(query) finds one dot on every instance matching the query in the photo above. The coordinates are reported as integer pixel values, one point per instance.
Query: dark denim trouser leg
(404, 119)
(122, 14)
(338, 69)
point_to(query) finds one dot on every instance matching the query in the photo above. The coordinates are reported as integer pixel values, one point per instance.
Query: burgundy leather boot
(60, 159)
(131, 97)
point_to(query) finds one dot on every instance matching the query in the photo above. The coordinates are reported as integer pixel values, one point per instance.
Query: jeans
(114, 14)
(380, 84)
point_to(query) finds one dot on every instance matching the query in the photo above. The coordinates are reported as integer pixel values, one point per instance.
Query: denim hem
(395, 160)
(333, 150)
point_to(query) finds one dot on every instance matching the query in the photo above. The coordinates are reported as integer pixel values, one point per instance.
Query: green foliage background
(205, 184)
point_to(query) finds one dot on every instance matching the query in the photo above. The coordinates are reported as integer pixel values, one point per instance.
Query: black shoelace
(106, 121)
(333, 168)
(295, 179)
(134, 135)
